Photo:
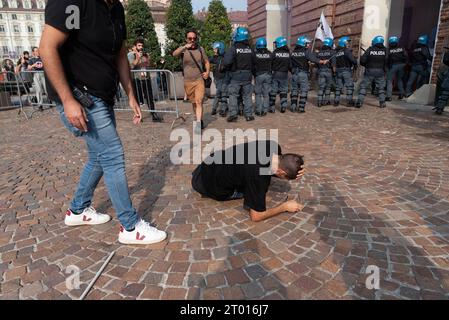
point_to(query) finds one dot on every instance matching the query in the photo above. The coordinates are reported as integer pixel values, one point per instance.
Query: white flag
(324, 30)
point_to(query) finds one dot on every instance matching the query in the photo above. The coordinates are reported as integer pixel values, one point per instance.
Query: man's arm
(52, 39)
(179, 51)
(288, 206)
(125, 80)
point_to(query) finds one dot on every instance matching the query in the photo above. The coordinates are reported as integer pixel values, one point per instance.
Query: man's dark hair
(139, 41)
(291, 164)
(26, 53)
(34, 48)
(193, 31)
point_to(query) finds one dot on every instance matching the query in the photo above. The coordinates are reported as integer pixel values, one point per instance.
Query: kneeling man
(245, 171)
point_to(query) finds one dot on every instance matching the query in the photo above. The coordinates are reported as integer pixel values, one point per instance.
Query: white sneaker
(89, 216)
(143, 233)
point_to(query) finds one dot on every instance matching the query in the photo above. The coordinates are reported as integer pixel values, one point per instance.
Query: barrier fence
(12, 92)
(155, 91)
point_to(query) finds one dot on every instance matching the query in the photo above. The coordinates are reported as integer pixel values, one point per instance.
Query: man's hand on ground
(293, 206)
(76, 114)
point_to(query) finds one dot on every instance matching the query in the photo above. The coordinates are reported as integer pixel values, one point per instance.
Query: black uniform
(300, 58)
(420, 59)
(375, 62)
(221, 79)
(239, 60)
(280, 67)
(344, 63)
(397, 60)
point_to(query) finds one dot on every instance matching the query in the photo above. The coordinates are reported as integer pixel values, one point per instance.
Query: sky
(234, 4)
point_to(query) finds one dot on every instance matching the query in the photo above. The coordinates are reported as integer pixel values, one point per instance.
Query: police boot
(156, 117)
(401, 96)
(358, 104)
(302, 109)
(259, 113)
(336, 103)
(439, 111)
(232, 118)
(388, 99)
(213, 112)
(351, 103)
(319, 104)
(383, 105)
(283, 109)
(223, 113)
(249, 118)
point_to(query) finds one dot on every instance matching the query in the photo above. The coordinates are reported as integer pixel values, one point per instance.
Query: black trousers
(144, 92)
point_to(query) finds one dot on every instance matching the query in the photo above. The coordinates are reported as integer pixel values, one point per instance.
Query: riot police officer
(300, 58)
(344, 63)
(397, 59)
(421, 61)
(325, 72)
(221, 79)
(444, 96)
(280, 68)
(374, 60)
(239, 60)
(262, 71)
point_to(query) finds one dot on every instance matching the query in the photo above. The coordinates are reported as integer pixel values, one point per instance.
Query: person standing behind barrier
(35, 64)
(196, 69)
(397, 59)
(263, 59)
(138, 60)
(301, 56)
(421, 60)
(221, 79)
(239, 61)
(100, 40)
(325, 78)
(444, 96)
(375, 62)
(344, 63)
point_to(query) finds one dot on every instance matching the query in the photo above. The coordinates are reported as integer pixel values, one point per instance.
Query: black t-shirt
(89, 56)
(245, 172)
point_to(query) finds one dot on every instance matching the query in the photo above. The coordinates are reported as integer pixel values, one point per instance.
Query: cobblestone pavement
(376, 193)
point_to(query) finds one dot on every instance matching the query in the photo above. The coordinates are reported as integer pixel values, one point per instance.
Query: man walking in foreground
(83, 66)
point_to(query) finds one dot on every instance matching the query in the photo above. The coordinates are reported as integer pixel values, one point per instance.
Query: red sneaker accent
(121, 228)
(68, 212)
(86, 219)
(138, 237)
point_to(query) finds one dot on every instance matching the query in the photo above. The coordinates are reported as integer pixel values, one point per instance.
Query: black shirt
(89, 56)
(247, 174)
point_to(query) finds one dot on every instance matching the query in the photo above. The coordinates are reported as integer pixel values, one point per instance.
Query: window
(14, 16)
(2, 28)
(5, 49)
(40, 4)
(28, 17)
(30, 29)
(16, 28)
(1, 15)
(26, 4)
(12, 3)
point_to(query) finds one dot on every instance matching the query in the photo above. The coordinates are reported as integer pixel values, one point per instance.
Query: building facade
(360, 19)
(21, 25)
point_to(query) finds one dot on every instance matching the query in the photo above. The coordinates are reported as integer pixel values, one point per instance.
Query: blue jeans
(106, 158)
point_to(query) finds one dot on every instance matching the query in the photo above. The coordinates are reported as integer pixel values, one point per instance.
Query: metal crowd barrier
(36, 90)
(12, 92)
(155, 90)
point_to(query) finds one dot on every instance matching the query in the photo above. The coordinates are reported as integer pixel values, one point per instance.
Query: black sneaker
(156, 117)
(213, 112)
(249, 118)
(388, 99)
(232, 118)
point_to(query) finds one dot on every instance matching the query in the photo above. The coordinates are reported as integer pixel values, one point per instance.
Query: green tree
(217, 26)
(140, 25)
(179, 19)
